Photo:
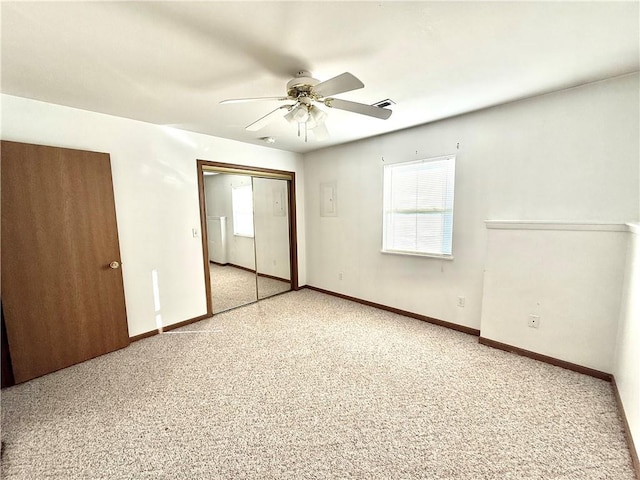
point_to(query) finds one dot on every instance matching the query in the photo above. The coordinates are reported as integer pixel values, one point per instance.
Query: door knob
(114, 265)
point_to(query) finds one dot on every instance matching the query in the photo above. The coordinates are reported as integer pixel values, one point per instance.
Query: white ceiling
(170, 63)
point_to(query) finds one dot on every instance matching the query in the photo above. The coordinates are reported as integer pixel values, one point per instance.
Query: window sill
(241, 235)
(415, 254)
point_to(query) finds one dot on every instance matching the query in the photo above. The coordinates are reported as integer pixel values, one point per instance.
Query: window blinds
(418, 206)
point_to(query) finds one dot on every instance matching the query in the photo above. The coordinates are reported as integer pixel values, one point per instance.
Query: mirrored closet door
(249, 234)
(271, 220)
(230, 236)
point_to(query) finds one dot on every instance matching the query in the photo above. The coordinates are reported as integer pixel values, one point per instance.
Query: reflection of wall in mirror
(278, 193)
(240, 250)
(271, 222)
(217, 238)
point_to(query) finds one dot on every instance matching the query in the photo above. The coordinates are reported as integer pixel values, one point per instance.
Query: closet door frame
(206, 165)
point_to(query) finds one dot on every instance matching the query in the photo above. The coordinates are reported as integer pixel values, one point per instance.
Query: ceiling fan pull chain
(305, 131)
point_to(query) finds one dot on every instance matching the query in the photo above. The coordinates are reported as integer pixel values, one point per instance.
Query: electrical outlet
(340, 276)
(461, 301)
(534, 321)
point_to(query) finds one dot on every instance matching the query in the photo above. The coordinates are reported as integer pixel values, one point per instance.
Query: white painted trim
(553, 225)
(634, 227)
(416, 254)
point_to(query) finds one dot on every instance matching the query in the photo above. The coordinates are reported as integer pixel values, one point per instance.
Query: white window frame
(242, 211)
(443, 209)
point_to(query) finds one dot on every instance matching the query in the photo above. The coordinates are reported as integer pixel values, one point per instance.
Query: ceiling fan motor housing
(302, 85)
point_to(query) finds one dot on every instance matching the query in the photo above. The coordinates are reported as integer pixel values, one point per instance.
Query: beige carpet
(307, 386)
(233, 287)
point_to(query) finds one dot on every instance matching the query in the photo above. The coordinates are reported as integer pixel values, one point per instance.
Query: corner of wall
(627, 351)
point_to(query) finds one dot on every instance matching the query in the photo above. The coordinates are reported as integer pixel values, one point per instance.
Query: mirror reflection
(248, 239)
(230, 234)
(271, 221)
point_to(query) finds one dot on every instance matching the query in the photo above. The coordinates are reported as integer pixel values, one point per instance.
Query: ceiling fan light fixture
(298, 114)
(306, 116)
(317, 117)
(301, 115)
(289, 116)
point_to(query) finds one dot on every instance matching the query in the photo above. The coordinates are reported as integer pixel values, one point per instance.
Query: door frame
(220, 167)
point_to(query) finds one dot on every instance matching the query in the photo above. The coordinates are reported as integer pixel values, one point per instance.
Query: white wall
(217, 208)
(570, 276)
(567, 156)
(627, 359)
(271, 227)
(240, 250)
(156, 195)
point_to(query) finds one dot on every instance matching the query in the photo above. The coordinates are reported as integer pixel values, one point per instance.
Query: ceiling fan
(307, 93)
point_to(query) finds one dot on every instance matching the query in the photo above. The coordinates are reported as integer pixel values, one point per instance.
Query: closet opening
(248, 225)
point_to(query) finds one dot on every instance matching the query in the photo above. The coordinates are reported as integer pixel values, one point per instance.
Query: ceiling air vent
(384, 103)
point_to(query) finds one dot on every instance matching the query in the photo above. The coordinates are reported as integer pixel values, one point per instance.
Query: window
(418, 207)
(242, 203)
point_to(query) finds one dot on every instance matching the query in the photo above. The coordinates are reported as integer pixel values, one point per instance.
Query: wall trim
(219, 264)
(249, 270)
(185, 322)
(627, 431)
(140, 336)
(273, 277)
(546, 359)
(167, 328)
(424, 318)
(634, 227)
(555, 225)
(246, 269)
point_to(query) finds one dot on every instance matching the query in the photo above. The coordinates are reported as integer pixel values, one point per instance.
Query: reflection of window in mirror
(242, 204)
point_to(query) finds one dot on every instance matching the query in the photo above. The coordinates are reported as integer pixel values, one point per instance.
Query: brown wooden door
(62, 302)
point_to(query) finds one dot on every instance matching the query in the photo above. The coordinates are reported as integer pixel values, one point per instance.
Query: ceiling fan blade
(268, 118)
(256, 99)
(356, 107)
(340, 84)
